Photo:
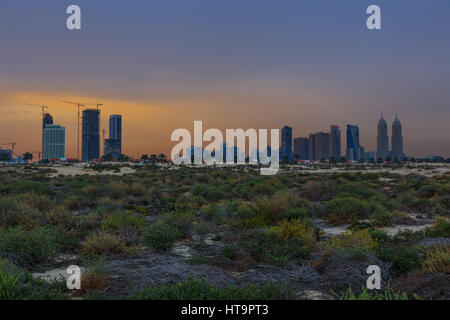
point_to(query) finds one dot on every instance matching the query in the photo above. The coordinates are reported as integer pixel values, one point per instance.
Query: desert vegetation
(223, 233)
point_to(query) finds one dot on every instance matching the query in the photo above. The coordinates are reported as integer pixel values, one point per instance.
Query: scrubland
(224, 233)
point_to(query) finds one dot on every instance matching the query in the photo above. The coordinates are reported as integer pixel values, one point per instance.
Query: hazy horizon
(239, 64)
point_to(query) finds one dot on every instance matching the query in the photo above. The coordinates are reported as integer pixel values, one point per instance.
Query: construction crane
(40, 106)
(12, 144)
(43, 107)
(81, 105)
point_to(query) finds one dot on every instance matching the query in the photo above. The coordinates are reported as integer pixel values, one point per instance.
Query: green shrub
(160, 236)
(440, 229)
(268, 247)
(437, 260)
(230, 252)
(181, 221)
(296, 229)
(404, 258)
(29, 248)
(346, 210)
(388, 294)
(13, 212)
(103, 243)
(193, 289)
(361, 239)
(123, 220)
(17, 284)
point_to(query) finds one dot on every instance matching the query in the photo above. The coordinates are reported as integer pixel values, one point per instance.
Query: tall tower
(397, 139)
(54, 142)
(113, 145)
(353, 146)
(91, 134)
(286, 143)
(382, 139)
(335, 142)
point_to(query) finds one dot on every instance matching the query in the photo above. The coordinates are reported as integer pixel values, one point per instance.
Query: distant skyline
(234, 64)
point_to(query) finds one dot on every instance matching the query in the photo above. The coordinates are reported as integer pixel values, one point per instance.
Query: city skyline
(305, 64)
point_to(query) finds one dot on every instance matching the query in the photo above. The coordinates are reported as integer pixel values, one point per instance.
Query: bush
(388, 294)
(103, 243)
(160, 236)
(295, 229)
(17, 284)
(193, 289)
(230, 252)
(403, 258)
(181, 221)
(15, 213)
(360, 239)
(382, 217)
(346, 210)
(268, 247)
(123, 221)
(29, 248)
(437, 260)
(440, 229)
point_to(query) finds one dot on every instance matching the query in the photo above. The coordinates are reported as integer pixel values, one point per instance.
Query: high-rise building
(319, 146)
(286, 143)
(113, 145)
(397, 140)
(54, 142)
(48, 119)
(323, 146)
(382, 139)
(115, 127)
(312, 147)
(335, 142)
(91, 134)
(353, 151)
(301, 148)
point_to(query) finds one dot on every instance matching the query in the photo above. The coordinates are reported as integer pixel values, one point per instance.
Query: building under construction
(91, 134)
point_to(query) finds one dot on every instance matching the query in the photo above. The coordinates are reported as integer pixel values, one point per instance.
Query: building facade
(382, 140)
(286, 144)
(335, 142)
(397, 140)
(301, 148)
(54, 146)
(353, 152)
(91, 134)
(113, 145)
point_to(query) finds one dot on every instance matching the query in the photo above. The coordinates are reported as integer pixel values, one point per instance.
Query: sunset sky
(232, 63)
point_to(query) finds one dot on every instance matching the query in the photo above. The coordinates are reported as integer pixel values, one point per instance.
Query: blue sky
(249, 63)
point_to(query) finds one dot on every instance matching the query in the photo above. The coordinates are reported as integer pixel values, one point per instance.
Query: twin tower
(383, 141)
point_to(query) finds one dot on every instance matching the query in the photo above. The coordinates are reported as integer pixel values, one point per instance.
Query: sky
(232, 64)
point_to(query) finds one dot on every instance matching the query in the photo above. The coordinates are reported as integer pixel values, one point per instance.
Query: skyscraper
(115, 127)
(113, 145)
(319, 146)
(397, 140)
(301, 148)
(286, 143)
(382, 139)
(48, 119)
(91, 134)
(353, 146)
(54, 146)
(335, 142)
